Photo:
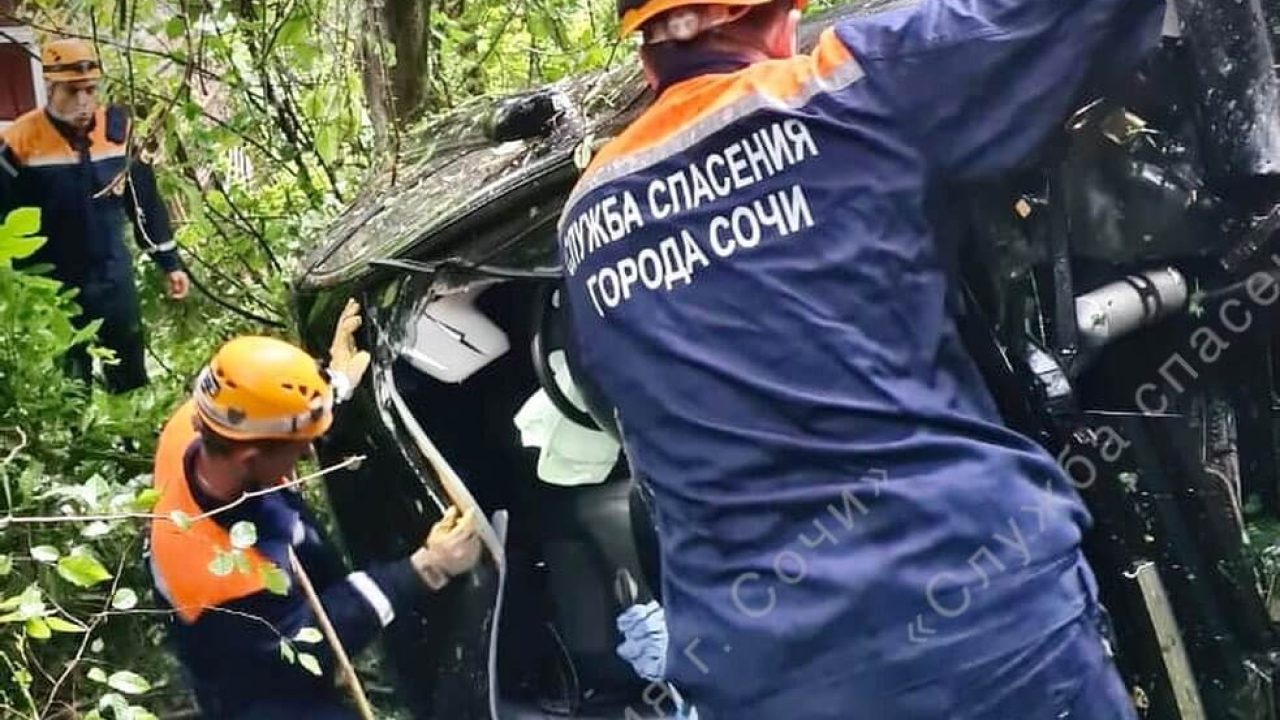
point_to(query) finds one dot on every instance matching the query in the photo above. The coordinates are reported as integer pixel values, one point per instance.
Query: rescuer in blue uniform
(72, 160)
(848, 530)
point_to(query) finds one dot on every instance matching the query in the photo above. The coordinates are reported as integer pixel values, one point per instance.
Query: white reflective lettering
(678, 189)
(737, 167)
(772, 217)
(758, 158)
(1168, 375)
(631, 216)
(596, 235)
(795, 210)
(651, 267)
(749, 236)
(659, 209)
(674, 269)
(612, 219)
(628, 273)
(693, 254)
(719, 180)
(718, 225)
(610, 291)
(591, 291)
(775, 144)
(800, 136)
(702, 192)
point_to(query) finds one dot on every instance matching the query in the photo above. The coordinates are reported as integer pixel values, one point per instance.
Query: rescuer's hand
(344, 356)
(179, 285)
(451, 549)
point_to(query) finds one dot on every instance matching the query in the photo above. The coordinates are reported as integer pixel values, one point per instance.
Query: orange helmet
(261, 388)
(70, 60)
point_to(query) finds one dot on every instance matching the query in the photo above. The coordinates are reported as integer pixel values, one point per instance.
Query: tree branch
(109, 517)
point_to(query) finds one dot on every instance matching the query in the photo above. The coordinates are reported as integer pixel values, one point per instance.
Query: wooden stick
(326, 627)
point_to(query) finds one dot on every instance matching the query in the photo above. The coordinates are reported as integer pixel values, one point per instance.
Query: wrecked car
(1118, 295)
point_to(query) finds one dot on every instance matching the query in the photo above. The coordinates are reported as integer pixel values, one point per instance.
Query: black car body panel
(1149, 180)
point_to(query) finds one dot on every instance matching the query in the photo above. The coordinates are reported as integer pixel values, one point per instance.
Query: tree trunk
(406, 23)
(374, 73)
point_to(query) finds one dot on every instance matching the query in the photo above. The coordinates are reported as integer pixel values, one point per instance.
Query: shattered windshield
(449, 168)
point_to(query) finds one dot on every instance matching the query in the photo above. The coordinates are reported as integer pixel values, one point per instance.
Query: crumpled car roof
(447, 168)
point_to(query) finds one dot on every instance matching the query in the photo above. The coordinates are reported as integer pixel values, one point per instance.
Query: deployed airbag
(570, 454)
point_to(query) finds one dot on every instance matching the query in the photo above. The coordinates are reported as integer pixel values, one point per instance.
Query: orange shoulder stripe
(37, 143)
(181, 556)
(791, 81)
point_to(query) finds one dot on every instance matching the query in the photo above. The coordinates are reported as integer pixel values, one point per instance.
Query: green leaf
(23, 221)
(275, 580)
(124, 599)
(45, 553)
(17, 236)
(97, 675)
(309, 661)
(286, 651)
(241, 561)
(181, 519)
(327, 142)
(244, 534)
(128, 682)
(82, 570)
(37, 628)
(6, 564)
(293, 30)
(96, 529)
(174, 28)
(146, 500)
(57, 624)
(309, 635)
(222, 564)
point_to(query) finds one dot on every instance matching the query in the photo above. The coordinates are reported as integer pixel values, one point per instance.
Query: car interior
(469, 357)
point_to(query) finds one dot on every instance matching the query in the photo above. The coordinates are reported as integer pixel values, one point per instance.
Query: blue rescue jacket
(228, 627)
(86, 187)
(755, 284)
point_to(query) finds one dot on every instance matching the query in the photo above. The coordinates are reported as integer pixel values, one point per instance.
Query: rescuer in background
(73, 160)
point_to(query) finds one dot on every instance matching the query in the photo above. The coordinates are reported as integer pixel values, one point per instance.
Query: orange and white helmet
(70, 60)
(261, 388)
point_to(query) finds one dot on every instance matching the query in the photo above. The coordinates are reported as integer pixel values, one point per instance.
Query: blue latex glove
(644, 639)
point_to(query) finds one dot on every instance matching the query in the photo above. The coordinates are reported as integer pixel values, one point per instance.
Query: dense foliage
(261, 118)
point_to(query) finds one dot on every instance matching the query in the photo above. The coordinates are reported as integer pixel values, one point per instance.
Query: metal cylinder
(1115, 310)
(1235, 85)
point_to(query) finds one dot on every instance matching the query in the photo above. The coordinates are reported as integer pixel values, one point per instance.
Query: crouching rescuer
(222, 560)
